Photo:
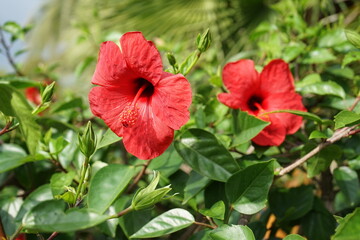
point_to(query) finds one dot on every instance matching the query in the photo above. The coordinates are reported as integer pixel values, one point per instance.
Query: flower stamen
(130, 113)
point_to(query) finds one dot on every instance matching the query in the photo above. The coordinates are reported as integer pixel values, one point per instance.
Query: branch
(139, 176)
(204, 224)
(8, 54)
(339, 134)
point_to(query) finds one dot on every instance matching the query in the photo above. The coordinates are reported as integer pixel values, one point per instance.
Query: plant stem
(18, 230)
(139, 176)
(84, 169)
(53, 235)
(122, 213)
(339, 134)
(2, 231)
(8, 55)
(205, 225)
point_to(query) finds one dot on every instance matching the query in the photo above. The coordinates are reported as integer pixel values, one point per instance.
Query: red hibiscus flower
(257, 94)
(136, 98)
(33, 95)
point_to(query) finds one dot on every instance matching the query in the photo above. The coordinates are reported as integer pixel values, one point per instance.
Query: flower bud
(48, 92)
(87, 141)
(148, 197)
(203, 41)
(171, 58)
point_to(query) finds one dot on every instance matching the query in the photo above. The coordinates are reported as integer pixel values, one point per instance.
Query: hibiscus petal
(272, 135)
(240, 77)
(171, 100)
(107, 104)
(276, 77)
(232, 100)
(149, 137)
(141, 56)
(285, 101)
(111, 69)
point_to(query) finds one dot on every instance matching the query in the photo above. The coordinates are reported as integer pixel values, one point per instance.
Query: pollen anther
(129, 116)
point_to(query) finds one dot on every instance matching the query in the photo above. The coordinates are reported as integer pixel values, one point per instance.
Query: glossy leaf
(317, 134)
(323, 88)
(319, 223)
(349, 227)
(322, 160)
(50, 216)
(167, 163)
(41, 194)
(107, 184)
(247, 189)
(216, 211)
(291, 204)
(108, 138)
(206, 155)
(320, 55)
(303, 114)
(59, 182)
(351, 57)
(246, 127)
(346, 118)
(348, 181)
(232, 232)
(168, 222)
(194, 185)
(14, 104)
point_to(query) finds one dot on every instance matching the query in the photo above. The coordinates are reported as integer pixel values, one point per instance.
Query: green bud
(148, 197)
(203, 41)
(48, 92)
(87, 141)
(171, 58)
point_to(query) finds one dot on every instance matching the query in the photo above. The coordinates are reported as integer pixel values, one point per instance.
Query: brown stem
(53, 235)
(204, 224)
(139, 176)
(8, 55)
(125, 211)
(6, 128)
(357, 99)
(339, 134)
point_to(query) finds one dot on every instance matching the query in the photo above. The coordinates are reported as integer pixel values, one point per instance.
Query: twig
(357, 99)
(8, 55)
(53, 235)
(204, 224)
(139, 176)
(341, 133)
(6, 128)
(18, 230)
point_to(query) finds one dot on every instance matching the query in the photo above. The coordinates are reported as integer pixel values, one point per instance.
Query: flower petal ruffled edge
(141, 56)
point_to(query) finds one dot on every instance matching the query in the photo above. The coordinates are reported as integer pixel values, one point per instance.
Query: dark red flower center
(130, 113)
(254, 103)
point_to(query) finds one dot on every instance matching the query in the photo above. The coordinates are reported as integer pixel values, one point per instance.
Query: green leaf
(167, 163)
(321, 161)
(350, 57)
(216, 211)
(206, 155)
(246, 127)
(57, 145)
(194, 185)
(19, 82)
(49, 216)
(317, 134)
(346, 118)
(12, 156)
(349, 227)
(232, 232)
(168, 222)
(323, 88)
(71, 104)
(41, 194)
(14, 29)
(294, 237)
(59, 182)
(247, 189)
(291, 204)
(319, 223)
(353, 37)
(108, 138)
(189, 63)
(321, 55)
(14, 104)
(107, 184)
(81, 67)
(303, 114)
(348, 181)
(9, 208)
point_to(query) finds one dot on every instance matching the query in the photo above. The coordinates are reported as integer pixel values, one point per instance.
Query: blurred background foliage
(70, 31)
